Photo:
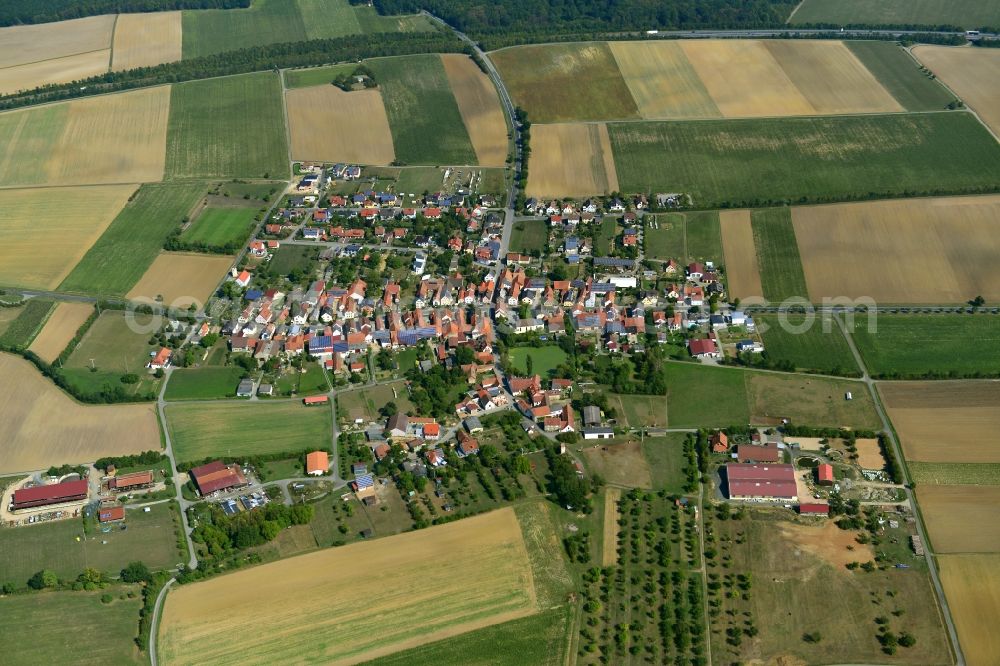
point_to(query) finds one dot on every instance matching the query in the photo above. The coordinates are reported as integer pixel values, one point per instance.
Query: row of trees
(13, 12)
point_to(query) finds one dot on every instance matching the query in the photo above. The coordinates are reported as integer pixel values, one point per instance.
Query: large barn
(216, 476)
(761, 482)
(56, 493)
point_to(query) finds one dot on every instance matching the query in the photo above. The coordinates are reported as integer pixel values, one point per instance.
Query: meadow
(317, 76)
(229, 429)
(963, 13)
(544, 359)
(821, 347)
(666, 240)
(203, 383)
(424, 118)
(759, 161)
(619, 462)
(198, 622)
(362, 132)
(134, 238)
(900, 74)
(365, 403)
(665, 456)
(150, 537)
(180, 279)
(972, 586)
(227, 127)
(99, 633)
(702, 396)
(288, 258)
(971, 73)
(604, 236)
(221, 227)
(703, 237)
(810, 400)
(529, 236)
(640, 411)
(931, 345)
(781, 274)
(117, 342)
(571, 160)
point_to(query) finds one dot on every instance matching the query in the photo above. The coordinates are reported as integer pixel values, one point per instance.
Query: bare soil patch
(180, 279)
(60, 328)
(742, 269)
(828, 542)
(329, 124)
(146, 39)
(479, 104)
(961, 519)
(620, 463)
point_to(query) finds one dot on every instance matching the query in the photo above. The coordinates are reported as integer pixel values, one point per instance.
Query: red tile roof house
(111, 514)
(703, 348)
(720, 443)
(216, 476)
(161, 360)
(761, 482)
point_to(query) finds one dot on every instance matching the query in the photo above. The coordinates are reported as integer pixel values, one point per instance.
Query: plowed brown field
(179, 279)
(961, 519)
(973, 74)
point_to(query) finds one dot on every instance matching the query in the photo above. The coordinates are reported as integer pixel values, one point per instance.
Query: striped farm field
(573, 159)
(181, 279)
(742, 270)
(937, 250)
(961, 519)
(479, 104)
(900, 74)
(221, 227)
(45, 232)
(963, 13)
(56, 70)
(147, 39)
(215, 620)
(119, 138)
(945, 421)
(972, 586)
(662, 81)
(60, 329)
(974, 75)
(36, 55)
(329, 124)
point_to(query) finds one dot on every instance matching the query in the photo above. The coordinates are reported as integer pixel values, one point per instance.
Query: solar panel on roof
(364, 481)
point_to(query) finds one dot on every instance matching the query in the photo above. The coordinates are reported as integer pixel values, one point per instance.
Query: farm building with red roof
(56, 493)
(748, 453)
(216, 476)
(824, 474)
(761, 482)
(814, 509)
(131, 481)
(110, 514)
(317, 463)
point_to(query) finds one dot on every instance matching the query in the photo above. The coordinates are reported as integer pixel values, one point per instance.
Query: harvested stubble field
(45, 232)
(35, 55)
(937, 250)
(119, 138)
(31, 438)
(232, 126)
(961, 519)
(61, 327)
(327, 123)
(202, 430)
(742, 271)
(964, 13)
(744, 163)
(662, 81)
(57, 70)
(565, 82)
(571, 160)
(479, 104)
(974, 75)
(214, 620)
(179, 279)
(972, 587)
(945, 421)
(146, 39)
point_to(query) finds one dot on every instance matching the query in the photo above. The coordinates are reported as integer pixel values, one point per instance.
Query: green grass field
(753, 162)
(914, 345)
(219, 227)
(229, 429)
(543, 359)
(665, 456)
(961, 13)
(371, 21)
(666, 241)
(427, 127)
(71, 627)
(203, 383)
(704, 396)
(703, 237)
(810, 400)
(324, 19)
(604, 237)
(20, 331)
(126, 249)
(206, 32)
(150, 537)
(365, 403)
(288, 258)
(317, 76)
(812, 350)
(955, 474)
(546, 81)
(897, 71)
(113, 348)
(529, 236)
(227, 127)
(781, 273)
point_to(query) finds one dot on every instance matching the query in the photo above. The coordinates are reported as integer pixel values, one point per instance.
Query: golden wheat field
(23, 44)
(179, 279)
(56, 70)
(41, 426)
(972, 586)
(479, 104)
(973, 74)
(936, 250)
(274, 613)
(572, 159)
(147, 39)
(741, 254)
(45, 232)
(961, 519)
(60, 329)
(945, 421)
(328, 124)
(662, 80)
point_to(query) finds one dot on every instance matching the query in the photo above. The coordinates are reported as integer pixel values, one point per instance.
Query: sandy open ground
(314, 608)
(937, 250)
(44, 233)
(973, 74)
(827, 542)
(328, 124)
(662, 80)
(41, 426)
(182, 278)
(741, 254)
(609, 545)
(23, 44)
(57, 70)
(60, 328)
(620, 462)
(479, 104)
(946, 421)
(869, 453)
(961, 519)
(972, 587)
(569, 160)
(147, 39)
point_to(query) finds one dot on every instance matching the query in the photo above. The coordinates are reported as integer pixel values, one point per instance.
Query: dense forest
(493, 17)
(14, 12)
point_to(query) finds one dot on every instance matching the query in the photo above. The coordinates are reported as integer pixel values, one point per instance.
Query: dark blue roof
(253, 294)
